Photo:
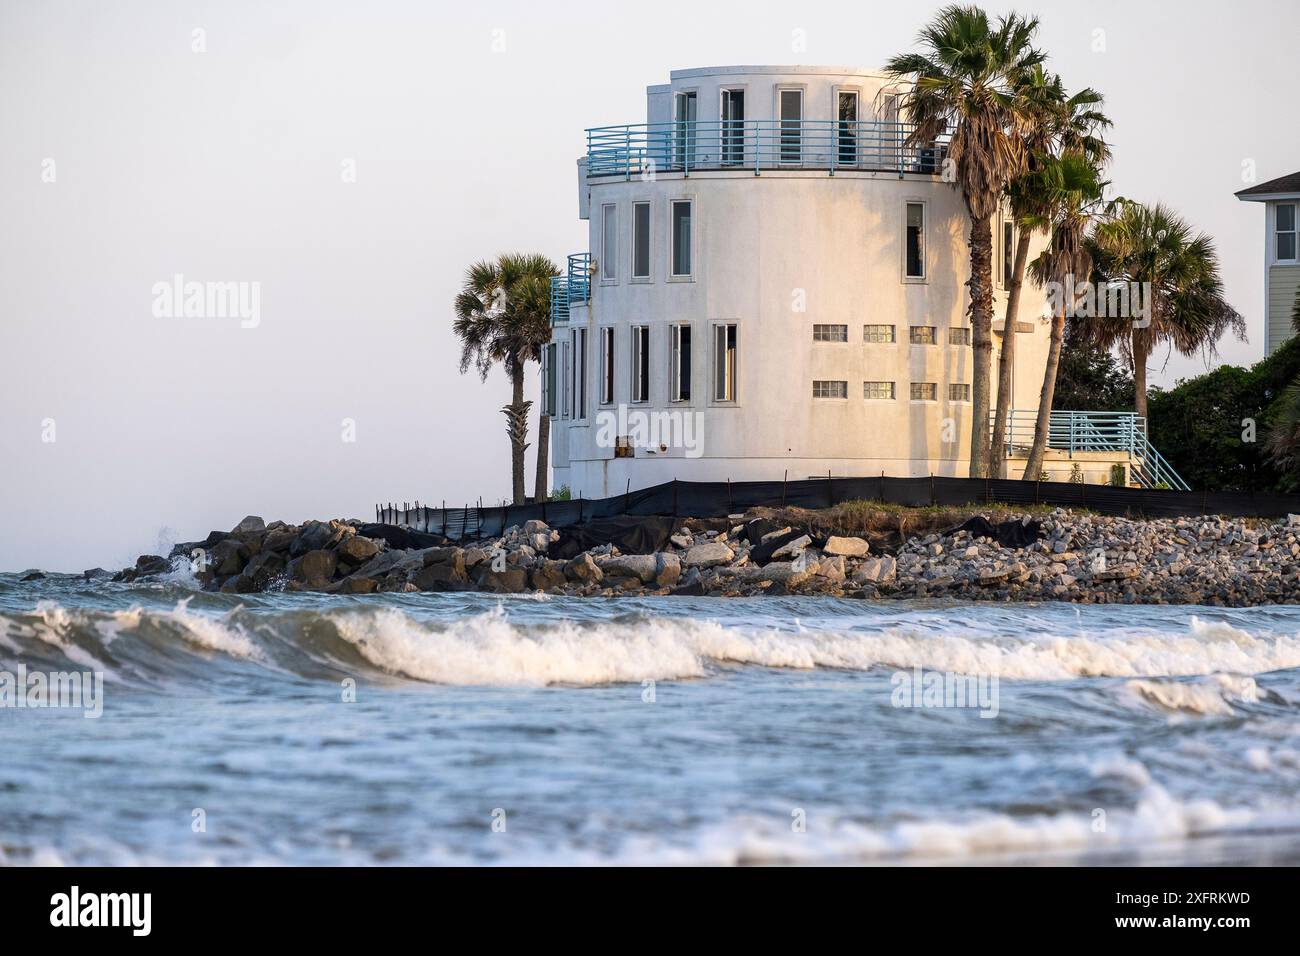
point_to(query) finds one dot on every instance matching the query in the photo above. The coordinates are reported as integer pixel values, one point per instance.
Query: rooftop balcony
(757, 145)
(573, 286)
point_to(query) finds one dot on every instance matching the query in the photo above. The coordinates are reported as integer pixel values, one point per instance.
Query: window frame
(893, 392)
(796, 144)
(608, 261)
(675, 366)
(733, 369)
(911, 391)
(830, 398)
(608, 379)
(851, 144)
(924, 277)
(673, 275)
(1293, 232)
(965, 336)
(934, 336)
(893, 333)
(648, 207)
(640, 356)
(830, 325)
(959, 401)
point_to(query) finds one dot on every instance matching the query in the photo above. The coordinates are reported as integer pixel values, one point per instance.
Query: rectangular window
(846, 134)
(684, 116)
(641, 240)
(1286, 232)
(640, 363)
(724, 362)
(1008, 252)
(680, 362)
(579, 388)
(959, 393)
(878, 333)
(680, 254)
(830, 333)
(878, 390)
(830, 389)
(733, 127)
(551, 402)
(791, 126)
(959, 336)
(915, 240)
(566, 376)
(609, 247)
(921, 334)
(607, 365)
(924, 391)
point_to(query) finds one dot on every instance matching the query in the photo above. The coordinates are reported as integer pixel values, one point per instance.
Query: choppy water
(769, 733)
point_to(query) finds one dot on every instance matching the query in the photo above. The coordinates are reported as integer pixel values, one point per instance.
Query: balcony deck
(756, 145)
(573, 286)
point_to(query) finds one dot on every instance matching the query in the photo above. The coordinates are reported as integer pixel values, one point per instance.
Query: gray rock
(709, 554)
(846, 547)
(251, 523)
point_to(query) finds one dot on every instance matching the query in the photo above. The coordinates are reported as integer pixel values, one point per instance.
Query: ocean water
(453, 729)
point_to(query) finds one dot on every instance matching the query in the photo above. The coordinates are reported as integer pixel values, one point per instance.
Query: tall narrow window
(724, 362)
(791, 126)
(641, 240)
(915, 240)
(733, 127)
(551, 403)
(566, 376)
(1008, 252)
(640, 363)
(681, 237)
(1286, 232)
(684, 115)
(579, 387)
(681, 363)
(609, 245)
(607, 365)
(846, 133)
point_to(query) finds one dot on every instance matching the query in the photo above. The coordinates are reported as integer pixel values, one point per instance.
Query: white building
(1281, 199)
(776, 285)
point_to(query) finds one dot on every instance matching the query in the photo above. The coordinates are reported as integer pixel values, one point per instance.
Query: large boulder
(227, 557)
(583, 568)
(549, 576)
(792, 547)
(315, 568)
(709, 554)
(357, 550)
(279, 539)
(262, 569)
(846, 547)
(441, 577)
(644, 567)
(668, 569)
(320, 535)
(509, 581)
(249, 524)
(876, 570)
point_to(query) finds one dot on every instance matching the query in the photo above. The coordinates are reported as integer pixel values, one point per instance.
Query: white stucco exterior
(776, 254)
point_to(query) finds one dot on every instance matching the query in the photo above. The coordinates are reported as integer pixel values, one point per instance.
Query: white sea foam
(1210, 696)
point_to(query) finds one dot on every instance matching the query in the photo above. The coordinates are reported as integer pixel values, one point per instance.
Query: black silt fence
(716, 499)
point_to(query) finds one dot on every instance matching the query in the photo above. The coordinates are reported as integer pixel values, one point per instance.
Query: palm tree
(1070, 190)
(1063, 124)
(1155, 247)
(968, 82)
(503, 315)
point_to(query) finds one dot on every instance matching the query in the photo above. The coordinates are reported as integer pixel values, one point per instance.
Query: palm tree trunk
(1139, 377)
(981, 321)
(1034, 467)
(540, 489)
(1007, 360)
(517, 415)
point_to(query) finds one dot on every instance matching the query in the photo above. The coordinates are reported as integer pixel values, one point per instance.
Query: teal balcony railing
(1074, 432)
(573, 286)
(830, 145)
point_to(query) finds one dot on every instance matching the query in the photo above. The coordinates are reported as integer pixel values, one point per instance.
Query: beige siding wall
(1283, 282)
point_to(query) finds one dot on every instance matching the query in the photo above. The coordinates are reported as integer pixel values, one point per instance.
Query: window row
(564, 375)
(641, 235)
(916, 334)
(885, 391)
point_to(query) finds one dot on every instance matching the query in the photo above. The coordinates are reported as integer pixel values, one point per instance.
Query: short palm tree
(1154, 245)
(1070, 190)
(503, 315)
(967, 80)
(1064, 124)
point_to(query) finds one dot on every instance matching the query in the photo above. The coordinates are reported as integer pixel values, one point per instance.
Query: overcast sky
(126, 157)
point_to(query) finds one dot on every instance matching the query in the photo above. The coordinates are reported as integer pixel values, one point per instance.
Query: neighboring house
(1281, 199)
(776, 285)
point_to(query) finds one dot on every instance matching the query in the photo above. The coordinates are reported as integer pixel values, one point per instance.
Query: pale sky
(227, 165)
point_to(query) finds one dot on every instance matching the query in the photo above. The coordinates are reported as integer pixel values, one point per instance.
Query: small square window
(959, 336)
(830, 333)
(924, 391)
(830, 389)
(959, 393)
(921, 334)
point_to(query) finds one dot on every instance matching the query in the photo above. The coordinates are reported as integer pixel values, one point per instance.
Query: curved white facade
(793, 276)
